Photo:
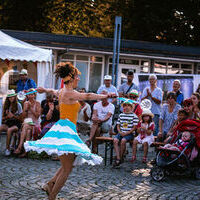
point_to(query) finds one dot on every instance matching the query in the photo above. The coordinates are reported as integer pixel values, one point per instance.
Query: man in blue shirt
(179, 94)
(25, 83)
(125, 88)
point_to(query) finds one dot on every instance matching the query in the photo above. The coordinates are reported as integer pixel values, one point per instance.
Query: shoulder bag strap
(129, 88)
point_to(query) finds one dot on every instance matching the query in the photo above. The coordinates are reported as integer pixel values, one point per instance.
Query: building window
(80, 57)
(172, 68)
(144, 66)
(160, 67)
(83, 68)
(186, 69)
(95, 76)
(198, 68)
(128, 61)
(68, 57)
(96, 59)
(91, 68)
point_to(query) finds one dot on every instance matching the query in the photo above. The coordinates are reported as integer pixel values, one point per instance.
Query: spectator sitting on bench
(126, 126)
(50, 113)
(12, 111)
(101, 121)
(84, 115)
(31, 126)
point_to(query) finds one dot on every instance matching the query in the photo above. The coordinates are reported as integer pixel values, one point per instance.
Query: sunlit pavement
(22, 179)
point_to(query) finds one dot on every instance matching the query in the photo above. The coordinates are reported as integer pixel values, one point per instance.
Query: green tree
(25, 15)
(169, 21)
(81, 17)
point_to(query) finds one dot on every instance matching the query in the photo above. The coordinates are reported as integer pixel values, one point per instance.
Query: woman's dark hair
(198, 105)
(197, 95)
(182, 111)
(8, 104)
(64, 69)
(171, 95)
(150, 119)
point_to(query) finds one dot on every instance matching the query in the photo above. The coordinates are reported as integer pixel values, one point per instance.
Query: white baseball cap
(107, 77)
(24, 71)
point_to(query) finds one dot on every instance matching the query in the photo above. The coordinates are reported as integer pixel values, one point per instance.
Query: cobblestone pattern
(22, 179)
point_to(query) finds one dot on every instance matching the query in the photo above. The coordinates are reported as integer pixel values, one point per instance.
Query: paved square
(22, 179)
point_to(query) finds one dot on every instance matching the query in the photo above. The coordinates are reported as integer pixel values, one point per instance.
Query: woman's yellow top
(69, 111)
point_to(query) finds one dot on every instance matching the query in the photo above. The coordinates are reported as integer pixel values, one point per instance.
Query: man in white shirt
(84, 115)
(108, 87)
(101, 121)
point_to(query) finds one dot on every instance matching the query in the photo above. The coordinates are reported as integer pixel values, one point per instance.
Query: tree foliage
(169, 21)
(25, 15)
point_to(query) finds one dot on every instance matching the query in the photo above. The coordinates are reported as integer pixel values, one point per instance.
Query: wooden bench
(108, 146)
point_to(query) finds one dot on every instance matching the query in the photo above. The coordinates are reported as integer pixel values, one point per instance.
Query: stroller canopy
(191, 125)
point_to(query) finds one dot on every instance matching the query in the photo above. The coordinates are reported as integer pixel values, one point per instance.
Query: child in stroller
(180, 157)
(180, 143)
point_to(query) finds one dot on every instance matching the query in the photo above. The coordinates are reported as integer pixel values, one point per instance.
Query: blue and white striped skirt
(62, 139)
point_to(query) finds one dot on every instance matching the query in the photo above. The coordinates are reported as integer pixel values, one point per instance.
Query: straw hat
(147, 112)
(11, 93)
(29, 121)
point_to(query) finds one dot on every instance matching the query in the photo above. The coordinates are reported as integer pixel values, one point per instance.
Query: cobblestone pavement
(22, 179)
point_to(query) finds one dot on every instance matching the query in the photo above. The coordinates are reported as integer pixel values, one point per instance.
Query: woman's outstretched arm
(90, 96)
(48, 90)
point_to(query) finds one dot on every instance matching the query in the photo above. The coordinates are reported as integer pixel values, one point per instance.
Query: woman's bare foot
(51, 197)
(23, 155)
(47, 187)
(17, 151)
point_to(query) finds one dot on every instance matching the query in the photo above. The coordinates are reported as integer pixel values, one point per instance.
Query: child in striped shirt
(126, 126)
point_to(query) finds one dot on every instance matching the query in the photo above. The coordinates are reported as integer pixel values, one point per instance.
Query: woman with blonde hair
(62, 138)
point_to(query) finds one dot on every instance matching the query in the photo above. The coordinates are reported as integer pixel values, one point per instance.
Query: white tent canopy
(14, 49)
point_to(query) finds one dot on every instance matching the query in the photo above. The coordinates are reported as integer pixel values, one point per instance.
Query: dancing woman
(62, 138)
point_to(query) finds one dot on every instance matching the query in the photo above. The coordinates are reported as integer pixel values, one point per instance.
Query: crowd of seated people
(30, 119)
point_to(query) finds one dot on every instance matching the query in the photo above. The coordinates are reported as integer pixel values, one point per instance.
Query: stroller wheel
(157, 173)
(197, 173)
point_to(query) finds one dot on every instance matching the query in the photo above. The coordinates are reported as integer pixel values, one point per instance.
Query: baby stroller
(185, 162)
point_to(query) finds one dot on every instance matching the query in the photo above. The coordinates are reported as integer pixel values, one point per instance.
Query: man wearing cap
(25, 83)
(108, 87)
(125, 88)
(154, 94)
